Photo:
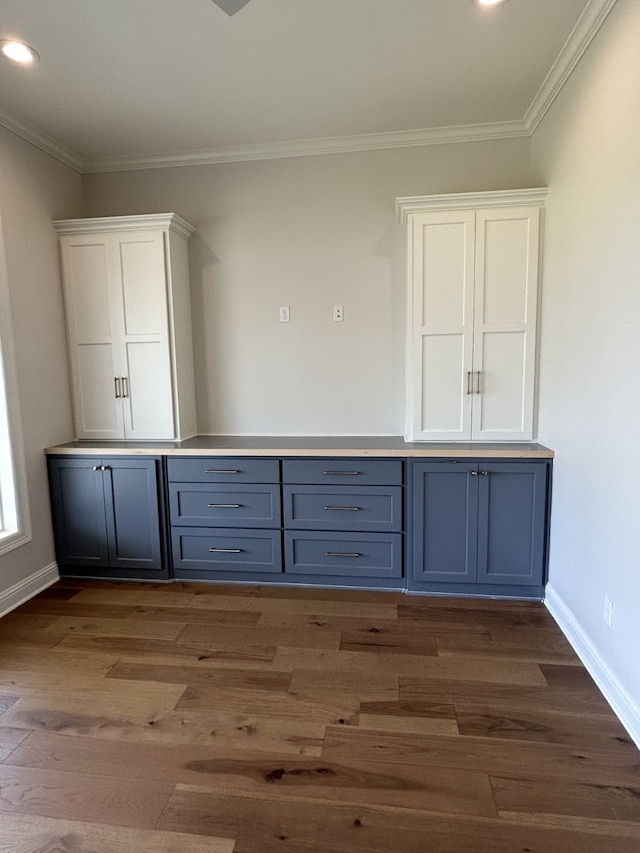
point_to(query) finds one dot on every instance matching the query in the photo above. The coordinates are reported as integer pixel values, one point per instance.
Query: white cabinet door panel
(148, 406)
(141, 277)
(98, 414)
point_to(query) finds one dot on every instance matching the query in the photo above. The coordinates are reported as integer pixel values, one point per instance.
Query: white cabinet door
(441, 326)
(127, 301)
(505, 324)
(472, 307)
(86, 264)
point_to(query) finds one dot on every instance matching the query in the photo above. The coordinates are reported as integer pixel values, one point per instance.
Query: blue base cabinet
(108, 517)
(478, 527)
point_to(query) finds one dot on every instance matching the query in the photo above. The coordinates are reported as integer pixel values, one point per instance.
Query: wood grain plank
(565, 797)
(190, 615)
(364, 686)
(219, 677)
(365, 610)
(415, 717)
(116, 627)
(10, 738)
(229, 637)
(81, 796)
(30, 833)
(616, 765)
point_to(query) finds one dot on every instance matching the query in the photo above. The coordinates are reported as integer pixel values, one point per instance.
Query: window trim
(13, 482)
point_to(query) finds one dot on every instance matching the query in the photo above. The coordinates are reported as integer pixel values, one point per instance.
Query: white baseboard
(27, 588)
(623, 704)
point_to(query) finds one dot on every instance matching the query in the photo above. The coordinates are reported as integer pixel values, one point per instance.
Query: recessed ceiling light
(19, 51)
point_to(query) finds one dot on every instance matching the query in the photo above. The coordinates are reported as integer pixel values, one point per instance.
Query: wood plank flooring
(189, 718)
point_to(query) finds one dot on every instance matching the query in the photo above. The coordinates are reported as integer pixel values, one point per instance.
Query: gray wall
(307, 232)
(587, 150)
(34, 189)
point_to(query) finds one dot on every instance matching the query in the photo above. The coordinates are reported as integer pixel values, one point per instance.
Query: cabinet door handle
(97, 468)
(474, 473)
(125, 386)
(343, 508)
(104, 468)
(341, 554)
(484, 473)
(478, 382)
(224, 506)
(225, 550)
(341, 473)
(469, 391)
(116, 381)
(221, 471)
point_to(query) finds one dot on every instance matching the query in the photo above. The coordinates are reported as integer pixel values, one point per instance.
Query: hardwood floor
(191, 718)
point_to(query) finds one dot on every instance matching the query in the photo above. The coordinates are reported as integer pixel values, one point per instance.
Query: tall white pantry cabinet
(126, 288)
(473, 266)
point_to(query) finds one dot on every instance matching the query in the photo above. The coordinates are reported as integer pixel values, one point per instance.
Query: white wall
(34, 189)
(306, 232)
(587, 150)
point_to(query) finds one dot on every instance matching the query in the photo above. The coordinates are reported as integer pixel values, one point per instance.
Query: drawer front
(372, 508)
(371, 555)
(226, 550)
(200, 505)
(343, 472)
(222, 469)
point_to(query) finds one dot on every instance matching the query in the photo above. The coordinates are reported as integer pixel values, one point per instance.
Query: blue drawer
(222, 469)
(371, 555)
(226, 550)
(202, 505)
(350, 472)
(373, 508)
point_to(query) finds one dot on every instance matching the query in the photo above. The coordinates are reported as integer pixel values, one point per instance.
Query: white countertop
(352, 445)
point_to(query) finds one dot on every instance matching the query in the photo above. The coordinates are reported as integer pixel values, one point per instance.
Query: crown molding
(312, 147)
(36, 137)
(579, 40)
(407, 205)
(100, 224)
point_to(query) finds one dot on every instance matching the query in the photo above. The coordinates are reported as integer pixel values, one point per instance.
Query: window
(15, 526)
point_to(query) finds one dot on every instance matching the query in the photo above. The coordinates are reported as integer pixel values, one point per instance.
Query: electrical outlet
(284, 314)
(338, 313)
(607, 613)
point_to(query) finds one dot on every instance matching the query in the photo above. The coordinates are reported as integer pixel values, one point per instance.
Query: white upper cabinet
(128, 310)
(472, 307)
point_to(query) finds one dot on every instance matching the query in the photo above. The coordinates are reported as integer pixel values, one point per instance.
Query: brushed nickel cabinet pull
(224, 506)
(478, 382)
(341, 473)
(221, 471)
(343, 508)
(340, 554)
(125, 386)
(484, 473)
(116, 381)
(469, 382)
(474, 473)
(96, 468)
(225, 550)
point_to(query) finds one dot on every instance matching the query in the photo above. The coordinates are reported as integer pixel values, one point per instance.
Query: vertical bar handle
(469, 382)
(478, 382)
(125, 386)
(116, 381)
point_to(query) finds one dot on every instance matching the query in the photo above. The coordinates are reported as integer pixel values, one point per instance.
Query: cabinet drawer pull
(341, 473)
(221, 471)
(341, 554)
(224, 506)
(225, 550)
(343, 508)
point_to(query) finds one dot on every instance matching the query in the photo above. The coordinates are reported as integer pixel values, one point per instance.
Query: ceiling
(122, 83)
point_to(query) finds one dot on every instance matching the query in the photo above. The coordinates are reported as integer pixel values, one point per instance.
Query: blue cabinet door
(78, 506)
(132, 513)
(444, 523)
(511, 523)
